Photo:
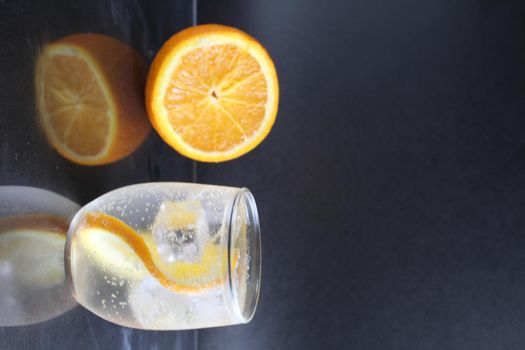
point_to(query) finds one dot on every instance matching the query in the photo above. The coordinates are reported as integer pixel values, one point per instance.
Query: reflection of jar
(167, 256)
(33, 226)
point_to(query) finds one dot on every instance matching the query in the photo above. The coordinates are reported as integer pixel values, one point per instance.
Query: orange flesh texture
(212, 93)
(78, 114)
(225, 99)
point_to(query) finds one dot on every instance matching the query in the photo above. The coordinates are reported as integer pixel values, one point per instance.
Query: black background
(391, 189)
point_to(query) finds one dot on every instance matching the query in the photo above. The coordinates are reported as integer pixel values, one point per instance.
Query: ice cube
(180, 230)
(215, 203)
(155, 307)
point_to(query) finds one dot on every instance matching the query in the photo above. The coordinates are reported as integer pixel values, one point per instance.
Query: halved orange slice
(212, 93)
(89, 90)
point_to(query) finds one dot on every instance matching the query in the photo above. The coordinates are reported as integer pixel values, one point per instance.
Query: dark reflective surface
(27, 159)
(25, 156)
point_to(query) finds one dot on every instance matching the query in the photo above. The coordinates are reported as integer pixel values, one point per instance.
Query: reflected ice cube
(12, 311)
(180, 230)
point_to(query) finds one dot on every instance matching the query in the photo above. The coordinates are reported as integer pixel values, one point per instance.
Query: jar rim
(244, 281)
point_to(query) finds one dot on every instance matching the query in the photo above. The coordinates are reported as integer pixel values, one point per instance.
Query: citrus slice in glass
(120, 249)
(111, 253)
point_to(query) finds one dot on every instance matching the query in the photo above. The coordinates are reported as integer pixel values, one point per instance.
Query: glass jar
(167, 256)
